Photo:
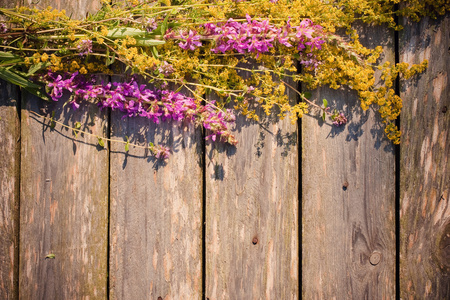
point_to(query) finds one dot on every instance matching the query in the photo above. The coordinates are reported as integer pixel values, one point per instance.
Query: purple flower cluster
(165, 68)
(57, 83)
(160, 152)
(85, 47)
(137, 100)
(255, 36)
(338, 119)
(217, 124)
(151, 25)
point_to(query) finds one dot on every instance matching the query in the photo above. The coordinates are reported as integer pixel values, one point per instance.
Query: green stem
(85, 132)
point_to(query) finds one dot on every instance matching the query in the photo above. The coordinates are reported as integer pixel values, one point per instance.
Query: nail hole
(444, 109)
(255, 241)
(345, 185)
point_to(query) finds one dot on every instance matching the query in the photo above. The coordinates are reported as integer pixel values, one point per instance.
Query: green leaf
(8, 55)
(127, 145)
(39, 66)
(113, 58)
(101, 143)
(16, 79)
(51, 256)
(75, 128)
(164, 24)
(179, 89)
(154, 51)
(21, 81)
(11, 61)
(108, 60)
(146, 42)
(52, 121)
(307, 95)
(325, 103)
(122, 32)
(38, 92)
(324, 116)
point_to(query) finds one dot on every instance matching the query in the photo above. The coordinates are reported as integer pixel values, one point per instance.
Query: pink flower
(339, 119)
(191, 41)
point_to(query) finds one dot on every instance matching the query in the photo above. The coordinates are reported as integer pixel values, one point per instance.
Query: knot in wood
(375, 258)
(255, 240)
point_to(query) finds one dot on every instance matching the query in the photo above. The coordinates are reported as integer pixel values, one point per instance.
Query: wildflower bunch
(247, 53)
(136, 100)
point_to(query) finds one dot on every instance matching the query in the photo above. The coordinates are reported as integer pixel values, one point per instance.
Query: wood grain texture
(348, 198)
(156, 212)
(77, 9)
(252, 236)
(9, 190)
(63, 205)
(63, 199)
(9, 184)
(425, 169)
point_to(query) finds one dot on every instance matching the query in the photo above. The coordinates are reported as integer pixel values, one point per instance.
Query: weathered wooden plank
(63, 200)
(9, 185)
(424, 164)
(9, 190)
(348, 199)
(63, 205)
(252, 236)
(156, 212)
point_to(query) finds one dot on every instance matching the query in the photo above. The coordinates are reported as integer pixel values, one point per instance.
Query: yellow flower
(44, 57)
(36, 58)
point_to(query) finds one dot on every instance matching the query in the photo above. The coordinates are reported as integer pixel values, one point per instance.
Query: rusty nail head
(375, 258)
(444, 109)
(160, 298)
(255, 240)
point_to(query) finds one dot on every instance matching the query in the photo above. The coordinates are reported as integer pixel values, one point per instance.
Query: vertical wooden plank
(63, 208)
(156, 212)
(9, 190)
(9, 185)
(424, 164)
(63, 202)
(252, 212)
(348, 198)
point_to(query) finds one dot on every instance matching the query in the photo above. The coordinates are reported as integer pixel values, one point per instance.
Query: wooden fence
(294, 211)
